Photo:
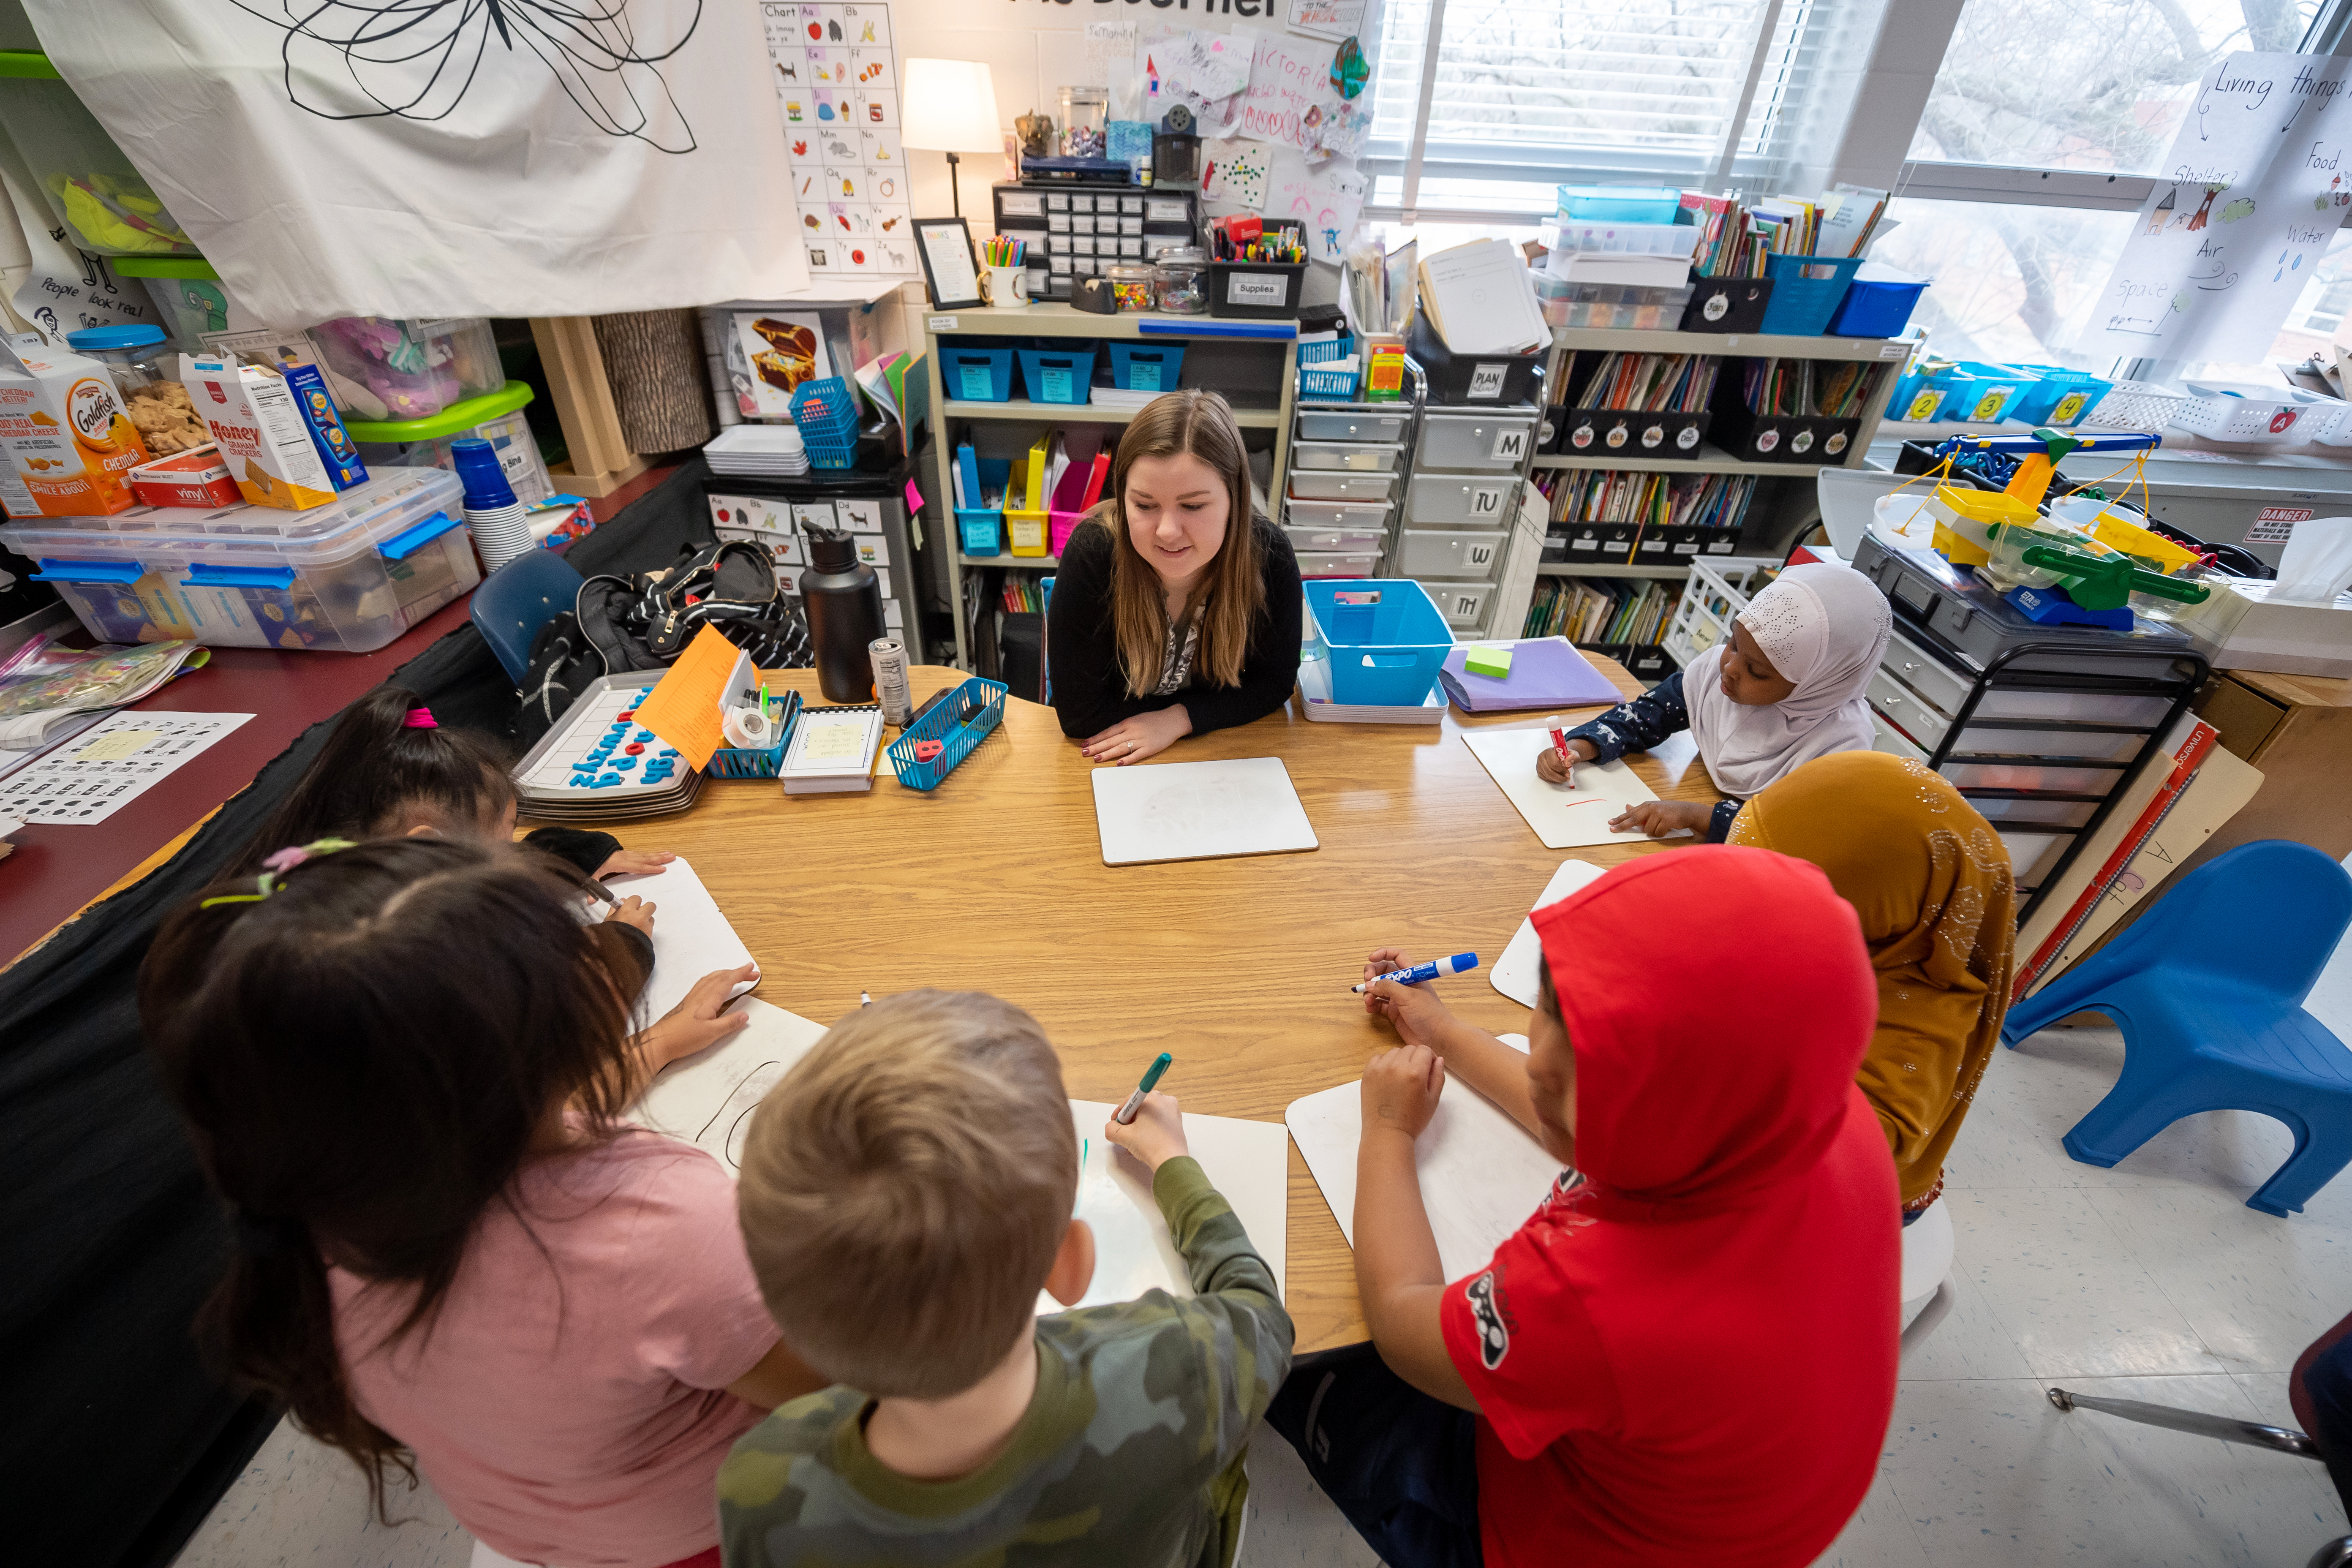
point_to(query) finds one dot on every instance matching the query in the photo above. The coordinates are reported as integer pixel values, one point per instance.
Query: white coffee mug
(1008, 286)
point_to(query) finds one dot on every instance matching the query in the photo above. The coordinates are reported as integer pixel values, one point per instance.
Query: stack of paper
(1480, 301)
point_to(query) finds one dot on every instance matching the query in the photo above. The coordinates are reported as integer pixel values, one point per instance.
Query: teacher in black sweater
(1176, 608)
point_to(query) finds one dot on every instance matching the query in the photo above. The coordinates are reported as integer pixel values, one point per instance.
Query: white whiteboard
(1199, 811)
(1515, 973)
(1482, 1173)
(707, 1099)
(691, 937)
(1565, 817)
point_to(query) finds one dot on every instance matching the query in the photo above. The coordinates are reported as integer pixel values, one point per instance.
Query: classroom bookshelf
(1782, 503)
(1251, 363)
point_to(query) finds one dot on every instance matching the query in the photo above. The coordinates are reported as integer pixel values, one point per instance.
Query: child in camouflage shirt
(906, 1191)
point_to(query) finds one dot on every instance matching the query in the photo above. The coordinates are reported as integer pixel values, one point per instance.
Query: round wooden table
(994, 882)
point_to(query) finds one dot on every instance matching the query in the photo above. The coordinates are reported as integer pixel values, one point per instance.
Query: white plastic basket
(2326, 420)
(1717, 591)
(2239, 411)
(2134, 405)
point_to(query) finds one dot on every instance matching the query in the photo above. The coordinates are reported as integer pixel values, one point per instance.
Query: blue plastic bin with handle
(1145, 367)
(1385, 638)
(1057, 375)
(1806, 292)
(1877, 303)
(977, 375)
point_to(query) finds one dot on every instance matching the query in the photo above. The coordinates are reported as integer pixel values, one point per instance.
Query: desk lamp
(950, 106)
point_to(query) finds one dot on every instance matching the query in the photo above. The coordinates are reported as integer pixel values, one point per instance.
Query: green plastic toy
(2109, 581)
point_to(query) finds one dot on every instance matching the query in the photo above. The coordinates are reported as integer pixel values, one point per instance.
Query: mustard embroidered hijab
(1931, 881)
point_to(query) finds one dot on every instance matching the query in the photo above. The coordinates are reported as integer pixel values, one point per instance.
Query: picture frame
(951, 265)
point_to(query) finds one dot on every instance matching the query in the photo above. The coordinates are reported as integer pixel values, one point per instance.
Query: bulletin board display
(836, 74)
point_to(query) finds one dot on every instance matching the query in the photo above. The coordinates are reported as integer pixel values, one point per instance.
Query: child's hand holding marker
(1156, 1135)
(634, 911)
(1418, 1015)
(1558, 766)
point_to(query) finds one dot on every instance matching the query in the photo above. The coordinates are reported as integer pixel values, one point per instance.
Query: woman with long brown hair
(1176, 608)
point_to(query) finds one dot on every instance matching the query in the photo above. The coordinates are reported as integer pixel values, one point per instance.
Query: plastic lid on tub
(114, 337)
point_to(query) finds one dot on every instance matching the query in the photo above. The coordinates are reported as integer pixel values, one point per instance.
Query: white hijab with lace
(1823, 627)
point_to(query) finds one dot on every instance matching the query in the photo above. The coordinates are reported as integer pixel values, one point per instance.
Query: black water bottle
(844, 598)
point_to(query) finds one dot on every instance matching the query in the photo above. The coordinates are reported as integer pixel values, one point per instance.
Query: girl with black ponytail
(404, 1065)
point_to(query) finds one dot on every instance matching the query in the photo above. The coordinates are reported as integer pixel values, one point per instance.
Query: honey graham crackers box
(260, 424)
(71, 447)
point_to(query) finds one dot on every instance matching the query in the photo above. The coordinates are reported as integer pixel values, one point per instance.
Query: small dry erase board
(1199, 811)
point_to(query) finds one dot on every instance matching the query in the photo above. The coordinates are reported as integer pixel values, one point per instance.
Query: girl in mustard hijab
(1931, 881)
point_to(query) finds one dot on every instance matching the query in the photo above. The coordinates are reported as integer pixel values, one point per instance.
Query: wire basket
(961, 723)
(827, 417)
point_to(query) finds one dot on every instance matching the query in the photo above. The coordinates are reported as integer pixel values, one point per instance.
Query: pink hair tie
(419, 719)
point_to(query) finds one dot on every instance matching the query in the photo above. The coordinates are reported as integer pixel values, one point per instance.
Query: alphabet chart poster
(2243, 208)
(92, 776)
(837, 73)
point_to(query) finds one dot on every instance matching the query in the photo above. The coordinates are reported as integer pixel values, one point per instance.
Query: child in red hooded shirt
(1687, 1354)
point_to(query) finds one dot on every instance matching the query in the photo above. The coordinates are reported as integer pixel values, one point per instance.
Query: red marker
(1560, 744)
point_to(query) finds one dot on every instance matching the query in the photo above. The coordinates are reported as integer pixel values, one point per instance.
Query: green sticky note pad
(1495, 663)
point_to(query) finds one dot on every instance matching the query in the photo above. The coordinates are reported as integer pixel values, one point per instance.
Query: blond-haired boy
(906, 1191)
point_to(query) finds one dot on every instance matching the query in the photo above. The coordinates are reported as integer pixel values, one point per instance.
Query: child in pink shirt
(403, 1063)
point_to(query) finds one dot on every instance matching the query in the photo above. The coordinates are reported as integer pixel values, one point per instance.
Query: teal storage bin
(982, 528)
(1918, 397)
(1134, 367)
(1385, 638)
(977, 375)
(2059, 397)
(1984, 396)
(1058, 376)
(1616, 204)
(1806, 292)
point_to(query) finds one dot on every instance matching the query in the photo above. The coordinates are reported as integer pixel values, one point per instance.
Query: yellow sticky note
(833, 742)
(116, 746)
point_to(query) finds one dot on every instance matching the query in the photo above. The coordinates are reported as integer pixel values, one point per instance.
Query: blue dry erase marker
(1435, 968)
(1150, 1080)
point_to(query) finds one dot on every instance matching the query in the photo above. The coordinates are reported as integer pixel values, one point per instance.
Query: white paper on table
(1565, 817)
(108, 767)
(1482, 1174)
(1199, 811)
(707, 1099)
(1248, 1161)
(1515, 973)
(691, 936)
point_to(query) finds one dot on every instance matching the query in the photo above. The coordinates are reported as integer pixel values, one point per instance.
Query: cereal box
(258, 424)
(69, 446)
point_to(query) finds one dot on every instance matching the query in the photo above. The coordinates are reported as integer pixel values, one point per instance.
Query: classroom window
(2086, 84)
(1530, 94)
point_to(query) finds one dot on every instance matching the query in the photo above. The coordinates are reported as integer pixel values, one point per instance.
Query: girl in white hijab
(1784, 689)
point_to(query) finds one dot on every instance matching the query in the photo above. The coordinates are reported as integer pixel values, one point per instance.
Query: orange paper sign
(688, 704)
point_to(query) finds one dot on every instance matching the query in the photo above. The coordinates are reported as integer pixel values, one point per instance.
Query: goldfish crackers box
(71, 447)
(258, 424)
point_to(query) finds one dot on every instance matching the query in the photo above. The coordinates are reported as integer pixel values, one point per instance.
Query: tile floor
(2152, 1281)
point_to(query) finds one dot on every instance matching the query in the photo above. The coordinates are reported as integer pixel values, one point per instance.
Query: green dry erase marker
(1150, 1080)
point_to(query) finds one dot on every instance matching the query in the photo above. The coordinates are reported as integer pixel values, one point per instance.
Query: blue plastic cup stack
(501, 524)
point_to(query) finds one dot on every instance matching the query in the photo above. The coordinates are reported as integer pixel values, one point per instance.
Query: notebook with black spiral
(833, 750)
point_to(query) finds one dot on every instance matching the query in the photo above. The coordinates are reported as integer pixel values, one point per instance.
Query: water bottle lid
(485, 483)
(831, 550)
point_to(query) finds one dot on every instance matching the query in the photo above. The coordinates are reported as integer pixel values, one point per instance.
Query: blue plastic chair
(519, 598)
(2207, 988)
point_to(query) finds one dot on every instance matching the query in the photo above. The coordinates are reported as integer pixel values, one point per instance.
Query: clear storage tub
(393, 368)
(347, 577)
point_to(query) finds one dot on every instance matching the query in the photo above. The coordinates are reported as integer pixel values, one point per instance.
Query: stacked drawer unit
(1077, 231)
(1460, 500)
(2041, 728)
(1346, 474)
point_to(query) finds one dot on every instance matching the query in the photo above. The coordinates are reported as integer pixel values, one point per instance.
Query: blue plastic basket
(827, 417)
(761, 763)
(1806, 291)
(982, 528)
(1320, 385)
(960, 724)
(1135, 368)
(1620, 204)
(977, 375)
(1877, 307)
(1385, 638)
(1057, 375)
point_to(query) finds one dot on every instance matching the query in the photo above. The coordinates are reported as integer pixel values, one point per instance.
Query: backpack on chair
(619, 624)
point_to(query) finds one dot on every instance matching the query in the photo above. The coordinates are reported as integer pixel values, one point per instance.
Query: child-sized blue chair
(519, 598)
(2208, 989)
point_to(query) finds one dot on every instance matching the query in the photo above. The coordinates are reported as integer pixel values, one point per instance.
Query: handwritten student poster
(1325, 202)
(2243, 205)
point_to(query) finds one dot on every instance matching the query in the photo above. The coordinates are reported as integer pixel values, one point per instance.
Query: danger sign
(2275, 525)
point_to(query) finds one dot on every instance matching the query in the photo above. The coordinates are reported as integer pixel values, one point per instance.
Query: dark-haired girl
(404, 1065)
(390, 769)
